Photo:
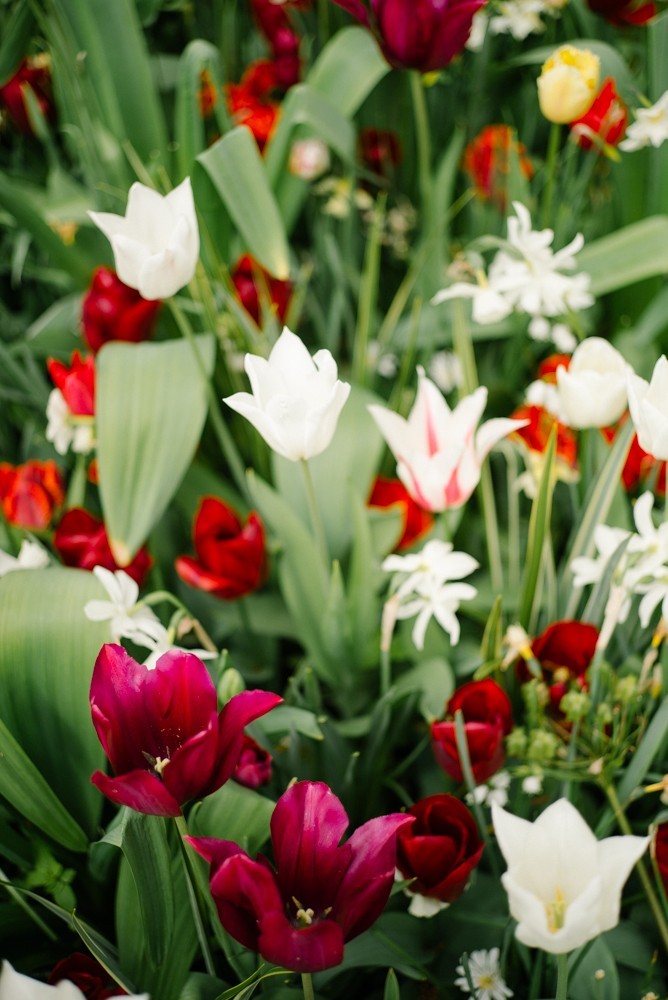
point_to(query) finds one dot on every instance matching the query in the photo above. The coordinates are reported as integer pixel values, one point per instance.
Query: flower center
(304, 915)
(556, 912)
(158, 764)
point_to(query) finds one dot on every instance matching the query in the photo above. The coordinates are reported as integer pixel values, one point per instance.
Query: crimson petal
(301, 949)
(240, 710)
(140, 790)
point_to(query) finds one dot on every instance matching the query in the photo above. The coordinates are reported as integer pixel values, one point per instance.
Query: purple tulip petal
(191, 764)
(245, 892)
(239, 712)
(140, 790)
(301, 949)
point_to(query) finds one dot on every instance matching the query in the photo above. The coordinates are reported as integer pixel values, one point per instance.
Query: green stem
(76, 491)
(196, 893)
(423, 142)
(316, 520)
(562, 976)
(307, 986)
(469, 780)
(550, 173)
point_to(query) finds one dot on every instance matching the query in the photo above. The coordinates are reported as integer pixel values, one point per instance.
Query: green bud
(230, 683)
(516, 742)
(575, 705)
(626, 689)
(542, 746)
(603, 714)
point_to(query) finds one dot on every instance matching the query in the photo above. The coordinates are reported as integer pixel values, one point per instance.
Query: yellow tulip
(568, 84)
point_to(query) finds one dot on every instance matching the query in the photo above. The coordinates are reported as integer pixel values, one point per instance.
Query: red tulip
(33, 73)
(564, 651)
(624, 12)
(488, 718)
(604, 124)
(536, 432)
(254, 767)
(81, 540)
(76, 382)
(661, 852)
(487, 162)
(380, 151)
(321, 893)
(390, 492)
(161, 730)
(230, 558)
(641, 470)
(417, 34)
(249, 101)
(441, 849)
(114, 311)
(87, 975)
(31, 493)
(253, 285)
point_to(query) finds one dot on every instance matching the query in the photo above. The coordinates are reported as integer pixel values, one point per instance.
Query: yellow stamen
(556, 912)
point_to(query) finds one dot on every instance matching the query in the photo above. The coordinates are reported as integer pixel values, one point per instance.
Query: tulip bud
(568, 84)
(230, 683)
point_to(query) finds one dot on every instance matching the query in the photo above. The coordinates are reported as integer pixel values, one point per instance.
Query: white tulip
(296, 399)
(14, 986)
(156, 242)
(592, 391)
(648, 403)
(564, 886)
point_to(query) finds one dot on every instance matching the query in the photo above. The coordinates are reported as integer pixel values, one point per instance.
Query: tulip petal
(245, 891)
(240, 710)
(616, 857)
(140, 790)
(191, 763)
(301, 949)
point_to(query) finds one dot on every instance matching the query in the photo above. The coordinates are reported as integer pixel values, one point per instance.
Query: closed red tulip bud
(112, 310)
(254, 286)
(661, 852)
(441, 849)
(34, 73)
(31, 493)
(81, 540)
(76, 382)
(604, 124)
(230, 557)
(254, 767)
(87, 975)
(487, 714)
(391, 492)
(417, 34)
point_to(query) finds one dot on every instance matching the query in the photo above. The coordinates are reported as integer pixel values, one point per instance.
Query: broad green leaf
(199, 59)
(236, 170)
(349, 66)
(15, 39)
(27, 791)
(628, 255)
(47, 652)
(151, 404)
(433, 680)
(539, 528)
(143, 841)
(53, 330)
(234, 813)
(289, 718)
(364, 610)
(587, 983)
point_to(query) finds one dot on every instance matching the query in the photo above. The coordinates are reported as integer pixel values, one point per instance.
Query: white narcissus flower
(592, 390)
(15, 986)
(31, 556)
(156, 242)
(650, 127)
(648, 403)
(128, 620)
(296, 399)
(66, 430)
(440, 451)
(564, 886)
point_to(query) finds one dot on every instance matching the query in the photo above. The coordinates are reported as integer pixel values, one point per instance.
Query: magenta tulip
(161, 730)
(321, 893)
(417, 34)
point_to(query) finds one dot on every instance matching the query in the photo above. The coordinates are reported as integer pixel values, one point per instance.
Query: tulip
(380, 151)
(605, 122)
(231, 559)
(592, 391)
(439, 851)
(254, 288)
(86, 973)
(487, 714)
(31, 493)
(624, 12)
(424, 35)
(156, 243)
(161, 730)
(296, 399)
(648, 403)
(640, 469)
(487, 162)
(564, 887)
(438, 450)
(321, 893)
(114, 311)
(249, 101)
(33, 73)
(416, 521)
(254, 767)
(660, 849)
(564, 651)
(14, 986)
(75, 382)
(568, 83)
(81, 540)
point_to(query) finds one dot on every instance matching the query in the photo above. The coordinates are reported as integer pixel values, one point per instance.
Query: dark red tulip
(230, 557)
(441, 849)
(417, 34)
(661, 852)
(564, 651)
(641, 470)
(604, 124)
(250, 103)
(162, 732)
(624, 12)
(76, 382)
(254, 767)
(254, 286)
(380, 151)
(87, 975)
(321, 893)
(31, 493)
(113, 311)
(81, 540)
(34, 73)
(390, 492)
(487, 714)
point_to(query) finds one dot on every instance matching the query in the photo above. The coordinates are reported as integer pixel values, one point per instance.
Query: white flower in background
(545, 394)
(592, 390)
(127, 618)
(650, 127)
(66, 430)
(296, 399)
(489, 305)
(309, 159)
(494, 790)
(478, 30)
(434, 564)
(518, 18)
(586, 569)
(561, 335)
(31, 556)
(162, 641)
(483, 968)
(532, 784)
(15, 986)
(648, 403)
(445, 369)
(564, 886)
(156, 242)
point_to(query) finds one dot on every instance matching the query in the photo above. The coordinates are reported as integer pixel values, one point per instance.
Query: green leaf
(587, 983)
(237, 172)
(15, 38)
(628, 255)
(233, 813)
(539, 527)
(349, 66)
(433, 680)
(151, 405)
(290, 718)
(391, 991)
(198, 58)
(47, 652)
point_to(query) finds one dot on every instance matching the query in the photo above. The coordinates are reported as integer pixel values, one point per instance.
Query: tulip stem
(197, 900)
(316, 520)
(550, 173)
(467, 771)
(643, 874)
(562, 976)
(423, 142)
(307, 986)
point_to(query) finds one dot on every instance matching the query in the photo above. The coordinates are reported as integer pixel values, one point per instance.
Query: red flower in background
(487, 162)
(605, 122)
(547, 369)
(230, 557)
(417, 522)
(441, 849)
(113, 311)
(81, 540)
(253, 285)
(321, 894)
(564, 650)
(535, 434)
(661, 852)
(249, 101)
(641, 470)
(273, 20)
(35, 73)
(87, 975)
(162, 732)
(31, 493)
(487, 714)
(624, 12)
(76, 382)
(254, 767)
(380, 151)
